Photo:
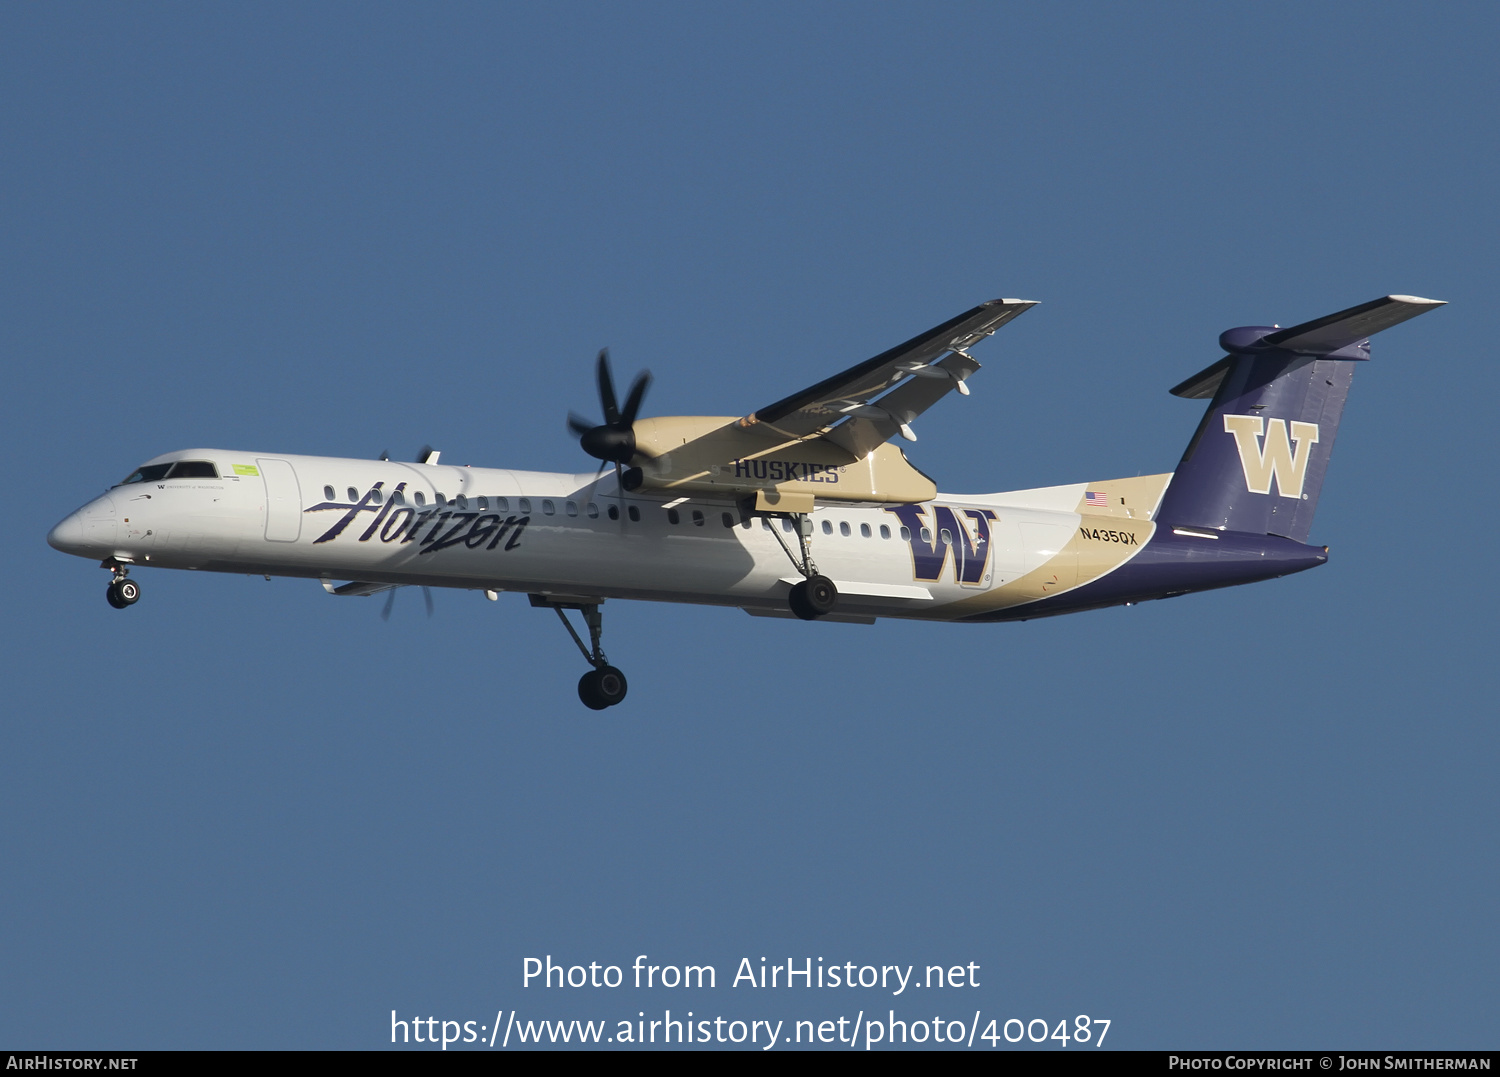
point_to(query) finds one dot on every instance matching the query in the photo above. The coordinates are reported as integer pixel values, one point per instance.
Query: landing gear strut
(815, 596)
(122, 590)
(604, 685)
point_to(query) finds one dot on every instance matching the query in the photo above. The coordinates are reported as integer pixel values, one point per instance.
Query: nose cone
(89, 532)
(68, 536)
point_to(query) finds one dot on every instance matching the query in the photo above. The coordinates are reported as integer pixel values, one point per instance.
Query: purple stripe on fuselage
(1171, 564)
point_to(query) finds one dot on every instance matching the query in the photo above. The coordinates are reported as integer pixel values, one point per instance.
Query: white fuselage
(562, 535)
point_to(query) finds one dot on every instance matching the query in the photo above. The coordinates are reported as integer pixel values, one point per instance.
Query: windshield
(179, 469)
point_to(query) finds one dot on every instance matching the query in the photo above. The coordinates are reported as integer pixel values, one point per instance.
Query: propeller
(613, 441)
(390, 600)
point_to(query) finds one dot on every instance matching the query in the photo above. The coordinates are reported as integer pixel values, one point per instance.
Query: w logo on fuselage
(931, 547)
(1274, 458)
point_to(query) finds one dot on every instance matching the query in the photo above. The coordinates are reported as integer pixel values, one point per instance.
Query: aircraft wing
(848, 397)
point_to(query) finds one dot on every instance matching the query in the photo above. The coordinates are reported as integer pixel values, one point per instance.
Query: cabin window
(548, 508)
(572, 508)
(592, 510)
(524, 505)
(786, 524)
(398, 498)
(484, 503)
(864, 530)
(728, 520)
(328, 494)
(374, 497)
(885, 532)
(420, 498)
(844, 528)
(946, 536)
(635, 514)
(697, 518)
(503, 504)
(463, 502)
(614, 512)
(440, 498)
(827, 527)
(353, 494)
(672, 516)
(927, 535)
(766, 523)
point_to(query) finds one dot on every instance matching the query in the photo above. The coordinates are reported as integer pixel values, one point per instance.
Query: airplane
(802, 509)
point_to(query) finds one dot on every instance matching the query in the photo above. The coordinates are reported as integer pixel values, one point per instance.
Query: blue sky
(244, 815)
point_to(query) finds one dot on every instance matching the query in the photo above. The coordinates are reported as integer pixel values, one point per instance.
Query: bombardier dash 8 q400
(801, 509)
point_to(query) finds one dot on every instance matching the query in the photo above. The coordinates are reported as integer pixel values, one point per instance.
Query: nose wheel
(601, 688)
(122, 590)
(604, 685)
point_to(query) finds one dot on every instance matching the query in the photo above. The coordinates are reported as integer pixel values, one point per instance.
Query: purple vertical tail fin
(1257, 461)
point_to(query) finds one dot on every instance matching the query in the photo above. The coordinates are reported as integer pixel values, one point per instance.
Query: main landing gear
(604, 685)
(815, 596)
(122, 590)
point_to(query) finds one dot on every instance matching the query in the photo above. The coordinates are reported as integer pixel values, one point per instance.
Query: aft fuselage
(959, 557)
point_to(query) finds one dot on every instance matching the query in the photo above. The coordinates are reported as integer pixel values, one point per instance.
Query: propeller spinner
(613, 442)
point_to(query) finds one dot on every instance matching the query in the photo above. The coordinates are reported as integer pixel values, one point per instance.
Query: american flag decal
(1096, 499)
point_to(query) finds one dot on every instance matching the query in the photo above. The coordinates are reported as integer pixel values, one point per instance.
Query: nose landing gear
(604, 685)
(600, 688)
(122, 590)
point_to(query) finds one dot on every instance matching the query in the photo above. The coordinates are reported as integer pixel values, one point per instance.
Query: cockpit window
(193, 469)
(149, 473)
(181, 469)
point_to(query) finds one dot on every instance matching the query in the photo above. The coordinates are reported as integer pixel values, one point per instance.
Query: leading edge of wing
(826, 401)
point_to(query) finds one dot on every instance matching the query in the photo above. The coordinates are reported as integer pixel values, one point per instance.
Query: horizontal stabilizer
(1205, 383)
(1334, 331)
(1326, 336)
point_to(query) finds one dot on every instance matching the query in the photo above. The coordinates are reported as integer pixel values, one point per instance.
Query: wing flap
(871, 425)
(832, 399)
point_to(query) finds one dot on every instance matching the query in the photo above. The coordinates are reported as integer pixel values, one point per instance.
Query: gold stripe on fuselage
(1106, 537)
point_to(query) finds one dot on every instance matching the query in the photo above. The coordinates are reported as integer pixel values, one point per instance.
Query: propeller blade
(613, 439)
(390, 600)
(607, 390)
(637, 394)
(427, 594)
